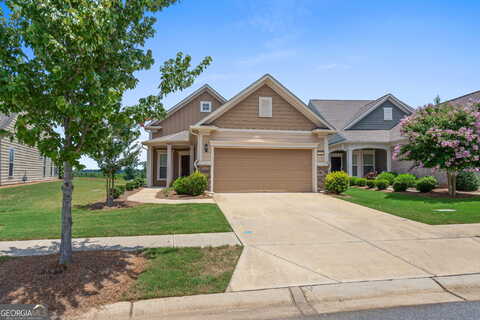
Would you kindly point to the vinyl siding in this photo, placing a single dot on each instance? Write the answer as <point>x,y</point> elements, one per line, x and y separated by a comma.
<point>374,120</point>
<point>244,115</point>
<point>28,162</point>
<point>186,116</point>
<point>262,138</point>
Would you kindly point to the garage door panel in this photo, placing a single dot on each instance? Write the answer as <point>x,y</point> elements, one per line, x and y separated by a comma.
<point>262,170</point>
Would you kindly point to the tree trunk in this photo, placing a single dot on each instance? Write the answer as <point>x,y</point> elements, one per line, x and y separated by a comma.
<point>66,241</point>
<point>110,191</point>
<point>452,183</point>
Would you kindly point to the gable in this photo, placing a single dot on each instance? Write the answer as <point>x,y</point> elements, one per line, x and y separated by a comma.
<point>244,115</point>
<point>374,120</point>
<point>188,115</point>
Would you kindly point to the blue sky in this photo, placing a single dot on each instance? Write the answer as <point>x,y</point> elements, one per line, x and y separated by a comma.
<point>323,49</point>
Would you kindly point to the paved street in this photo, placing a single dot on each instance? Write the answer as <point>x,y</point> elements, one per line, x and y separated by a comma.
<point>444,311</point>
<point>298,239</point>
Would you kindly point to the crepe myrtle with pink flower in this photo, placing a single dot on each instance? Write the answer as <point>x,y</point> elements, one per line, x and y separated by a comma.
<point>443,137</point>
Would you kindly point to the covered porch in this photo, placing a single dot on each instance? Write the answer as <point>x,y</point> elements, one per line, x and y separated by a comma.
<point>169,158</point>
<point>360,160</point>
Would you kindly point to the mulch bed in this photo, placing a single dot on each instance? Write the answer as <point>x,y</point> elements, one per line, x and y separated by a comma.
<point>95,278</point>
<point>172,195</point>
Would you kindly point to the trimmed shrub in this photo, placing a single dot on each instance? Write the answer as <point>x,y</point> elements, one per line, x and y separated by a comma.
<point>381,184</point>
<point>353,181</point>
<point>337,182</point>
<point>468,181</point>
<point>118,191</point>
<point>399,186</point>
<point>371,184</point>
<point>139,182</point>
<point>193,185</point>
<point>361,182</point>
<point>390,177</point>
<point>130,186</point>
<point>407,178</point>
<point>426,184</point>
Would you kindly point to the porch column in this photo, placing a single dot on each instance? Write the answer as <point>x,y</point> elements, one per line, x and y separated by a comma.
<point>149,166</point>
<point>169,164</point>
<point>350,161</point>
<point>326,151</point>
<point>199,147</point>
<point>389,160</point>
<point>192,156</point>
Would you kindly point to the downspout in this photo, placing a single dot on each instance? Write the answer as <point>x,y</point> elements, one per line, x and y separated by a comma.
<point>195,163</point>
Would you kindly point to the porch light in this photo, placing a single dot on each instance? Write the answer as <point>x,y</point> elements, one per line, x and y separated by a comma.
<point>205,147</point>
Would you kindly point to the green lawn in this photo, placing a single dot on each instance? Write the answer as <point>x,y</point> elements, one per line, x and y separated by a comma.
<point>33,212</point>
<point>185,271</point>
<point>418,207</point>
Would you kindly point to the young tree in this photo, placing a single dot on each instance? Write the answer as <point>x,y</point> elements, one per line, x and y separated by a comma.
<point>64,66</point>
<point>445,137</point>
<point>119,149</point>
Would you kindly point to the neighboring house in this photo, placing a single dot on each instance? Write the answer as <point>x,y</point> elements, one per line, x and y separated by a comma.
<point>367,131</point>
<point>264,139</point>
<point>20,163</point>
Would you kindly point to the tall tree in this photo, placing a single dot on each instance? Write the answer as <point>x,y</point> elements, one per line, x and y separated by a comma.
<point>64,67</point>
<point>443,137</point>
<point>119,149</point>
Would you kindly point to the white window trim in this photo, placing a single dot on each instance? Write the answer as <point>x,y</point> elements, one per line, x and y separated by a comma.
<point>264,114</point>
<point>390,118</point>
<point>159,152</point>
<point>12,161</point>
<point>209,106</point>
<point>360,163</point>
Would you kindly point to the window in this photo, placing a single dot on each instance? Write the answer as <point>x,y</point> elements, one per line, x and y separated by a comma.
<point>51,168</point>
<point>205,106</point>
<point>368,162</point>
<point>265,107</point>
<point>387,114</point>
<point>162,165</point>
<point>355,164</point>
<point>11,160</point>
<point>44,167</point>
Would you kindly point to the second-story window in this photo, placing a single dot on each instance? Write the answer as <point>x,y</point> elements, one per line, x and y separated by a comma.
<point>205,106</point>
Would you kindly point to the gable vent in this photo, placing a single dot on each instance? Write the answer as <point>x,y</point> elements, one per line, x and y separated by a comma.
<point>265,107</point>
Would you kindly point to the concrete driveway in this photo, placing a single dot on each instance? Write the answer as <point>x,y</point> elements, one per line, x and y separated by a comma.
<point>303,239</point>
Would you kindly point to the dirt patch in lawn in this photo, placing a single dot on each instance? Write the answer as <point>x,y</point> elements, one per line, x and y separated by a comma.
<point>172,195</point>
<point>117,204</point>
<point>95,278</point>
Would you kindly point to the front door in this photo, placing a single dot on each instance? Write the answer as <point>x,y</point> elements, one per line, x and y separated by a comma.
<point>336,164</point>
<point>185,165</point>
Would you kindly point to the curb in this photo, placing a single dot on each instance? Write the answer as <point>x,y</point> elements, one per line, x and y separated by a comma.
<point>297,301</point>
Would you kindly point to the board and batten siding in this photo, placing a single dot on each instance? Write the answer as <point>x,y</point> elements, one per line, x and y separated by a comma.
<point>375,121</point>
<point>28,162</point>
<point>244,115</point>
<point>186,116</point>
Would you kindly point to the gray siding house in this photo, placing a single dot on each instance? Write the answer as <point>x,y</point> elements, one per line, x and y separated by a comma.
<point>20,163</point>
<point>367,131</point>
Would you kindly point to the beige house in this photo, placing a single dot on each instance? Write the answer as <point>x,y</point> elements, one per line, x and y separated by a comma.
<point>20,163</point>
<point>264,139</point>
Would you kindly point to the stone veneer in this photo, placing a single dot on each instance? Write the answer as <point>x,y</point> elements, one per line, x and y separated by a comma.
<point>206,171</point>
<point>321,174</point>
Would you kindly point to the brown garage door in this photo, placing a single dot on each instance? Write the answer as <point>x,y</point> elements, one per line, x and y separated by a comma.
<point>262,170</point>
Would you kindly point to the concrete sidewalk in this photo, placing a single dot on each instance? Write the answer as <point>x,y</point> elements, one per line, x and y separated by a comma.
<point>43,247</point>
<point>281,303</point>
